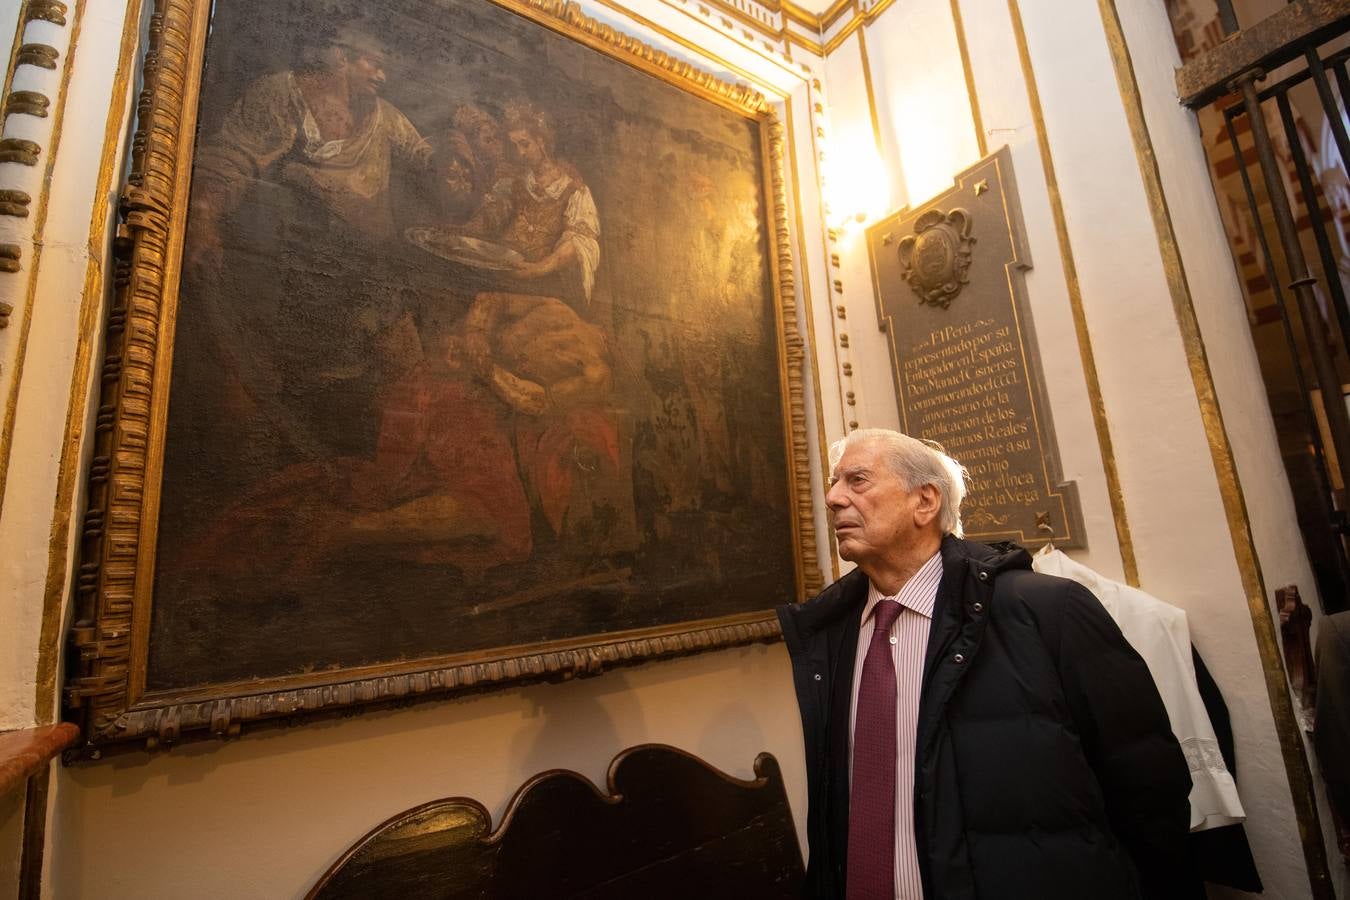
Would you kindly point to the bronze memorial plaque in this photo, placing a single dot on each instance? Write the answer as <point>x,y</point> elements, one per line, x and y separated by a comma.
<point>948,277</point>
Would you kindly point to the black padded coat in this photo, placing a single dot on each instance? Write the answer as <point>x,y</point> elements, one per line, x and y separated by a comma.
<point>1045,767</point>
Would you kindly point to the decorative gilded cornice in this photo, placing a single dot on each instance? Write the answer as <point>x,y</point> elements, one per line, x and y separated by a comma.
<point>53,11</point>
<point>41,55</point>
<point>28,103</point>
<point>18,150</point>
<point>14,203</point>
<point>770,29</point>
<point>34,89</point>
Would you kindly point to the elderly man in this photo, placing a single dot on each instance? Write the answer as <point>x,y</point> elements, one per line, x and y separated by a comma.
<point>972,729</point>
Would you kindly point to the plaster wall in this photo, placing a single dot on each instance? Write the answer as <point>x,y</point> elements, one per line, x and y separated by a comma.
<point>863,175</point>
<point>264,817</point>
<point>1171,495</point>
<point>23,565</point>
<point>1219,307</point>
<point>921,94</point>
<point>16,657</point>
<point>1184,546</point>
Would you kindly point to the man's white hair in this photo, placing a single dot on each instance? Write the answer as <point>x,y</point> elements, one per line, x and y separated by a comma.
<point>916,463</point>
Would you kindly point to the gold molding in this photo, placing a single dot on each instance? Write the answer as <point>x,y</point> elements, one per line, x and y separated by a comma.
<point>794,13</point>
<point>980,139</point>
<point>764,29</point>
<point>1116,496</point>
<point>794,352</point>
<point>43,56</point>
<point>53,11</point>
<point>836,11</point>
<point>20,26</point>
<point>115,576</point>
<point>871,96</point>
<point>819,24</point>
<point>861,19</point>
<point>91,305</point>
<point>834,43</point>
<point>1225,467</point>
<point>808,307</point>
<point>793,39</point>
<point>15,203</point>
<point>19,150</point>
<point>828,237</point>
<point>689,45</point>
<point>781,33</point>
<point>28,103</point>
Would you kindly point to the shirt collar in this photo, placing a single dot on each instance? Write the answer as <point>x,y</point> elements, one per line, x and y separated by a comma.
<point>919,593</point>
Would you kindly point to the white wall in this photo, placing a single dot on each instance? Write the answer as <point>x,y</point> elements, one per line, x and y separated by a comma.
<point>1221,311</point>
<point>265,816</point>
<point>1171,495</point>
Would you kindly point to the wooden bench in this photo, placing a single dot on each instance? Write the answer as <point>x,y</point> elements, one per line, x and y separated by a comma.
<point>669,826</point>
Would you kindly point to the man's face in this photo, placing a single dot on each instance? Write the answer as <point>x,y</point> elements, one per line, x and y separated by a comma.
<point>365,73</point>
<point>872,512</point>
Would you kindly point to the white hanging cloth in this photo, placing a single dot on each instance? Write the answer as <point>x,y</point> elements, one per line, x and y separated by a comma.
<point>1158,632</point>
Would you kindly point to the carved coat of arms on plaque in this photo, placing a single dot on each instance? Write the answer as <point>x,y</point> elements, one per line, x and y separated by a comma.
<point>937,255</point>
<point>966,366</point>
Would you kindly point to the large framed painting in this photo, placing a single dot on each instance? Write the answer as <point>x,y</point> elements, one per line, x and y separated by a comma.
<point>454,345</point>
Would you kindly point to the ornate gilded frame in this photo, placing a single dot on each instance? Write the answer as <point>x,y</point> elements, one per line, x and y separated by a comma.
<point>109,640</point>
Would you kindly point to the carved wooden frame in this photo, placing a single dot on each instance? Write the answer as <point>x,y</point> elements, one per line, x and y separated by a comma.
<point>110,634</point>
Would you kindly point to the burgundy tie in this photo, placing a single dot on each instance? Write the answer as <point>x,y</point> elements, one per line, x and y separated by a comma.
<point>871,811</point>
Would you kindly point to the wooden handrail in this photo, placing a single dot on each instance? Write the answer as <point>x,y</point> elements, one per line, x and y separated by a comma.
<point>23,753</point>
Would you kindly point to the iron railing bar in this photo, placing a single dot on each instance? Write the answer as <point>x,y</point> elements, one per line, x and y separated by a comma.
<point>1279,38</point>
<point>1330,272</point>
<point>1336,59</point>
<point>1326,504</point>
<point>1340,57</point>
<point>1343,82</point>
<point>1301,281</point>
<point>1283,86</point>
<point>1334,117</point>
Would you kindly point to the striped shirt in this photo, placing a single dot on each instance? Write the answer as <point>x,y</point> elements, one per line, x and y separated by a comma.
<point>909,642</point>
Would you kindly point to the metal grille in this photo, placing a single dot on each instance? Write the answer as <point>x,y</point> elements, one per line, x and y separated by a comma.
<point>1310,299</point>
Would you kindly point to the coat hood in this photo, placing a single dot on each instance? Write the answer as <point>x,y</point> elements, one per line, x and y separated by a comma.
<point>1003,556</point>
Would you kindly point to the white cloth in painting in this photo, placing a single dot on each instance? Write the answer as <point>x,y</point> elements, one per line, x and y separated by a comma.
<point>348,177</point>
<point>581,222</point>
<point>1159,633</point>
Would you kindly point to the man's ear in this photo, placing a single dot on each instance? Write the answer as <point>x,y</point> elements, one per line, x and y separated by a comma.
<point>928,505</point>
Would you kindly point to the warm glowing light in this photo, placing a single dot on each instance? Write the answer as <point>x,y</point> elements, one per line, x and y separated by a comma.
<point>935,112</point>
<point>856,185</point>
